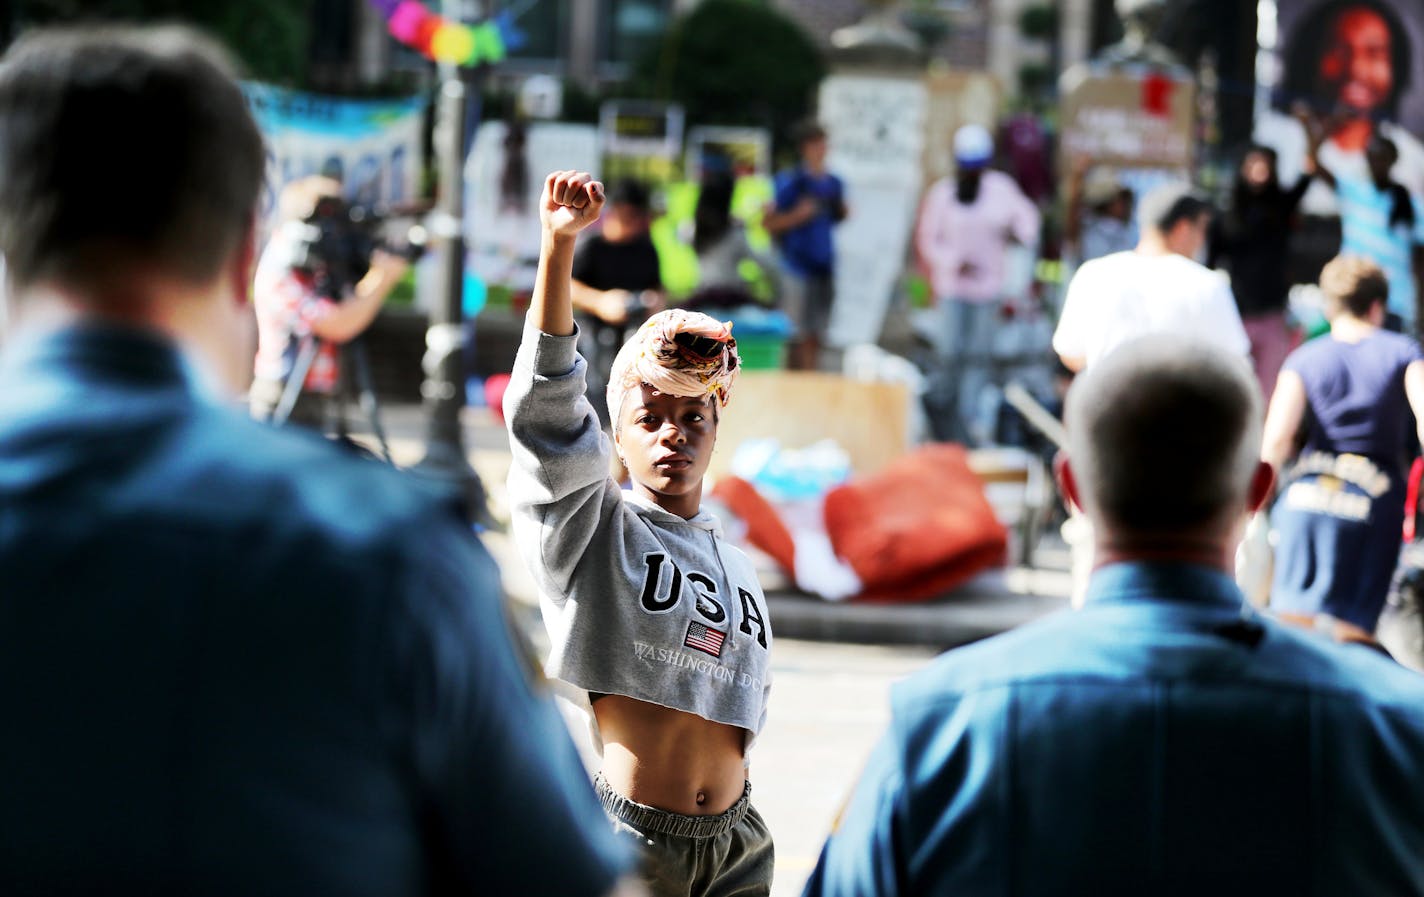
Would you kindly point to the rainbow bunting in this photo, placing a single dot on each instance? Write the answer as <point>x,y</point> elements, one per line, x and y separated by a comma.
<point>442,40</point>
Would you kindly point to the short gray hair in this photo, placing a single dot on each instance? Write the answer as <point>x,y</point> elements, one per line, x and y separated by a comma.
<point>1164,434</point>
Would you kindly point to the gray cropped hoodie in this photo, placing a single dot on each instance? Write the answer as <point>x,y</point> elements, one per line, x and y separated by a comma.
<point>638,601</point>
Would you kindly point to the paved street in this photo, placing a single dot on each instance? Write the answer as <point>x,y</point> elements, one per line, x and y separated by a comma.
<point>828,707</point>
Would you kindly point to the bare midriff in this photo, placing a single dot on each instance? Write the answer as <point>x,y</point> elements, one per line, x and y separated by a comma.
<point>670,759</point>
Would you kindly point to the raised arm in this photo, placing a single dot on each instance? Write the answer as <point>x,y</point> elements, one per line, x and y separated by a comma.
<point>1315,134</point>
<point>558,481</point>
<point>571,202</point>
<point>349,319</point>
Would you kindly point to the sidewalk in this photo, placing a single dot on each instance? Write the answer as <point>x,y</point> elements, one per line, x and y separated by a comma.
<point>990,603</point>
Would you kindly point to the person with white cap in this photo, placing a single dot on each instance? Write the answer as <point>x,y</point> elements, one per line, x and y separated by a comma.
<point>966,223</point>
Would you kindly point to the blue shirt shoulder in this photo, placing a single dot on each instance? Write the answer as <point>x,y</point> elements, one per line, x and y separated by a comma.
<point>1112,747</point>
<point>300,663</point>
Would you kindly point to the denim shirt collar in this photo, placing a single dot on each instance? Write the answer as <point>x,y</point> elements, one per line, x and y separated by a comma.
<point>102,352</point>
<point>1172,581</point>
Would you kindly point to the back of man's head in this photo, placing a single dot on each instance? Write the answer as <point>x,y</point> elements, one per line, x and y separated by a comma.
<point>1164,436</point>
<point>1163,208</point>
<point>123,149</point>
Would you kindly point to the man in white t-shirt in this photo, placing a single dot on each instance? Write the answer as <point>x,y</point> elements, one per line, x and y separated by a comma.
<point>1157,287</point>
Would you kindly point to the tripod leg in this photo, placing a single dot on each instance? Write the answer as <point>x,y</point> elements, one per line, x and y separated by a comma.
<point>366,393</point>
<point>292,389</point>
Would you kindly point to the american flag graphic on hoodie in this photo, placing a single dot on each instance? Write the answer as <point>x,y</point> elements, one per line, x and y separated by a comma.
<point>704,639</point>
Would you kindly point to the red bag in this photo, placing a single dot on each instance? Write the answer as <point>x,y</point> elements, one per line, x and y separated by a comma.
<point>918,528</point>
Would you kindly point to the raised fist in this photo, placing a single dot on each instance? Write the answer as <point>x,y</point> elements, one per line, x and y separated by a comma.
<point>571,202</point>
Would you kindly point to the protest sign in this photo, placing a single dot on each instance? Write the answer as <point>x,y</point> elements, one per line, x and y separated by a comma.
<point>1136,118</point>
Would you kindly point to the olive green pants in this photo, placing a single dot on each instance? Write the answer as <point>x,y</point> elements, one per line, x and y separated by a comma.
<point>727,855</point>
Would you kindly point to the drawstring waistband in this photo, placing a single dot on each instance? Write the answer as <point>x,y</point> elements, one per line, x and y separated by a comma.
<point>644,817</point>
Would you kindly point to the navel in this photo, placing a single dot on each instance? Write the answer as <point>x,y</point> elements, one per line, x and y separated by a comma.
<point>701,798</point>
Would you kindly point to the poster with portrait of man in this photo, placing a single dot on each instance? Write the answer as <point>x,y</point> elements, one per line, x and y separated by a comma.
<point>1357,65</point>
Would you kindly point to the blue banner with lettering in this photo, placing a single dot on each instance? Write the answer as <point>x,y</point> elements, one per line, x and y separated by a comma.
<point>372,146</point>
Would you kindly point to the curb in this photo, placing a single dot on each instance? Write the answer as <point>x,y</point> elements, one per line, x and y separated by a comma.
<point>957,619</point>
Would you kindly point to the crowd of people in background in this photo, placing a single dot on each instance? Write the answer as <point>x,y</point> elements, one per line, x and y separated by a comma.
<point>241,660</point>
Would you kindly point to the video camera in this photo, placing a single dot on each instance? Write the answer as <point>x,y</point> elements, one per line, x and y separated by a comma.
<point>334,243</point>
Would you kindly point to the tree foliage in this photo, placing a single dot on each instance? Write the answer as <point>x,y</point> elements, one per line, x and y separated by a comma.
<point>270,37</point>
<point>734,62</point>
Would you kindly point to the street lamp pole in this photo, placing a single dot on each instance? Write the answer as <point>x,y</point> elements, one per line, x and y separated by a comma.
<point>443,389</point>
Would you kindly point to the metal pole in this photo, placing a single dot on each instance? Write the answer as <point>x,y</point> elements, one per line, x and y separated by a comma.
<point>443,389</point>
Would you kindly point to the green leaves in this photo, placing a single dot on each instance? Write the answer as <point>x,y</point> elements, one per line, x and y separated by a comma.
<point>270,37</point>
<point>734,62</point>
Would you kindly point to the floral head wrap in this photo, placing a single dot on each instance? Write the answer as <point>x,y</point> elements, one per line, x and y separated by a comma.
<point>678,353</point>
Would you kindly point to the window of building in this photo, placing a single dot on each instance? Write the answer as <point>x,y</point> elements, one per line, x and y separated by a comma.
<point>545,26</point>
<point>630,28</point>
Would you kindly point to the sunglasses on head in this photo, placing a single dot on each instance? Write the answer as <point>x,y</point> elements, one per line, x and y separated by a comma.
<point>701,347</point>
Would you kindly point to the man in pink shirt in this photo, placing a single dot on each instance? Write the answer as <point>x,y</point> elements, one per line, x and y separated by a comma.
<point>965,226</point>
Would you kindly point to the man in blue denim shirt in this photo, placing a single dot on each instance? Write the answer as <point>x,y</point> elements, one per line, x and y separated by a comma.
<point>1163,740</point>
<point>233,660</point>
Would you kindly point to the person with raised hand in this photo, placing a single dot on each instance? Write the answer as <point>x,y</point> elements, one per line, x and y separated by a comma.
<point>658,627</point>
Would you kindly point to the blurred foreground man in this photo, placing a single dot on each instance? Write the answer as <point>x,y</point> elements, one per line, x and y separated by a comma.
<point>1165,739</point>
<point>232,660</point>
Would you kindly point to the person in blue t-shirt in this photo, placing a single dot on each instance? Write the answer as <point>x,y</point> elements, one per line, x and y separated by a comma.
<point>1380,220</point>
<point>809,203</point>
<point>1340,508</point>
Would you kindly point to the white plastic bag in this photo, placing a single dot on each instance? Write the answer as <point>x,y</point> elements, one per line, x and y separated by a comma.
<point>1256,561</point>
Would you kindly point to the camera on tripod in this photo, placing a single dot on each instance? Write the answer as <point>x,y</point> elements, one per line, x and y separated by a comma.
<point>334,243</point>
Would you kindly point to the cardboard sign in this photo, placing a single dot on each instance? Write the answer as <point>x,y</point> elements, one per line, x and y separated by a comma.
<point>1135,118</point>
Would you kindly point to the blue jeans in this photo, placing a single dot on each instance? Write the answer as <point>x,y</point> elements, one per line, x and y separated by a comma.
<point>965,368</point>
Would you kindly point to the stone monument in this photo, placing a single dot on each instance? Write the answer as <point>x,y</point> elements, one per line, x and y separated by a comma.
<point>874,106</point>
